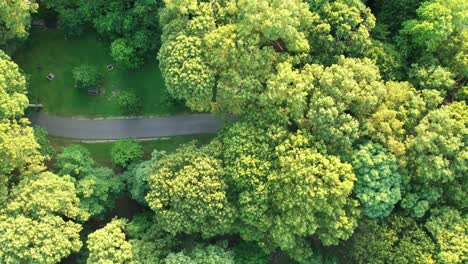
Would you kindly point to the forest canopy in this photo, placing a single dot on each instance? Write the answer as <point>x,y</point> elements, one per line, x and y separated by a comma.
<point>345,136</point>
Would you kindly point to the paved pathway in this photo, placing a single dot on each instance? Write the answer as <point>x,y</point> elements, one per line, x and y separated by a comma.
<point>110,129</point>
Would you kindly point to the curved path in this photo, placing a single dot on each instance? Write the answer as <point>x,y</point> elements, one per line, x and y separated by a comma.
<point>111,129</point>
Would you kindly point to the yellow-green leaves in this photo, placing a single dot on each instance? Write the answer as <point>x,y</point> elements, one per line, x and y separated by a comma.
<point>13,98</point>
<point>108,245</point>
<point>18,148</point>
<point>38,222</point>
<point>15,18</point>
<point>188,193</point>
<point>438,157</point>
<point>449,228</point>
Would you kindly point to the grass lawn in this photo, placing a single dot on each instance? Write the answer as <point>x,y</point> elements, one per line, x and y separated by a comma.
<point>49,51</point>
<point>100,152</point>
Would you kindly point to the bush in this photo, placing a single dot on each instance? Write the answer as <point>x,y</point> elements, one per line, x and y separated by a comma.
<point>126,151</point>
<point>129,102</point>
<point>86,77</point>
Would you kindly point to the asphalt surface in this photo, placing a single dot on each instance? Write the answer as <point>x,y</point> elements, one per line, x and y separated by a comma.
<point>139,128</point>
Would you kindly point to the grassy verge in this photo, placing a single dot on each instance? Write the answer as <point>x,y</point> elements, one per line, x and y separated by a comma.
<point>101,151</point>
<point>50,52</point>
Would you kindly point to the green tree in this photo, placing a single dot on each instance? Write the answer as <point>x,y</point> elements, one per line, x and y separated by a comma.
<point>15,18</point>
<point>342,28</point>
<point>396,240</point>
<point>437,159</point>
<point>436,41</point>
<point>13,98</point>
<point>378,181</point>
<point>39,222</point>
<point>75,160</point>
<point>201,255</point>
<point>124,54</point>
<point>108,244</point>
<point>97,187</point>
<point>98,190</point>
<point>137,176</point>
<point>126,151</point>
<point>150,244</point>
<point>188,193</point>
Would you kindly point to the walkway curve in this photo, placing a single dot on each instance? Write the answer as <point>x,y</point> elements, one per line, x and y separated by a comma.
<point>139,128</point>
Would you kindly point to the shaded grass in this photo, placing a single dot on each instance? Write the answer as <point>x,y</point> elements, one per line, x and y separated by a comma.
<point>49,51</point>
<point>100,152</point>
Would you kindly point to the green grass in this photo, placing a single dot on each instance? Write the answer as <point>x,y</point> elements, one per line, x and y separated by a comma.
<point>49,51</point>
<point>100,152</point>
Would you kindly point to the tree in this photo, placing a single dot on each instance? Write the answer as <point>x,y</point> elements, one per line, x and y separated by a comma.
<point>132,27</point>
<point>124,54</point>
<point>281,185</point>
<point>86,77</point>
<point>396,240</point>
<point>13,98</point>
<point>98,190</point>
<point>310,194</point>
<point>346,94</point>
<point>137,176</point>
<point>342,28</point>
<point>437,158</point>
<point>19,152</point>
<point>126,151</point>
<point>221,64</point>
<point>97,187</point>
<point>448,226</point>
<point>201,255</point>
<point>39,222</point>
<point>378,181</point>
<point>15,18</point>
<point>108,244</point>
<point>150,244</point>
<point>188,193</point>
<point>396,118</point>
<point>435,41</point>
<point>75,160</point>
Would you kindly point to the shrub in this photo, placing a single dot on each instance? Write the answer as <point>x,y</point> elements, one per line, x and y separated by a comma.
<point>86,77</point>
<point>126,151</point>
<point>129,102</point>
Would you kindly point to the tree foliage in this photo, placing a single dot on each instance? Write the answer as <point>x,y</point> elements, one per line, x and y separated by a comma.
<point>397,239</point>
<point>449,228</point>
<point>201,255</point>
<point>39,223</point>
<point>108,245</point>
<point>378,184</point>
<point>126,151</point>
<point>188,194</point>
<point>438,159</point>
<point>15,19</point>
<point>13,98</point>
